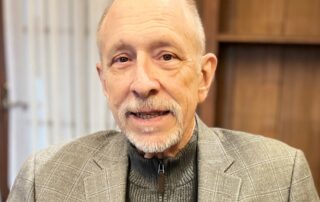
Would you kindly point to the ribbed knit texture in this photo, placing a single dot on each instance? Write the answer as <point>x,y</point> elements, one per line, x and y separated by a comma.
<point>180,176</point>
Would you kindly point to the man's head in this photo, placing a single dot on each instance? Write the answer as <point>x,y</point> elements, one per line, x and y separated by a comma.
<point>153,70</point>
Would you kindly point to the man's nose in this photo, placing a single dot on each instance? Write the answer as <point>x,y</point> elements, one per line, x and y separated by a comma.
<point>144,83</point>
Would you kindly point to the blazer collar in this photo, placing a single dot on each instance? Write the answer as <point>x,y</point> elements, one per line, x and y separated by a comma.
<point>214,184</point>
<point>109,178</point>
<point>108,181</point>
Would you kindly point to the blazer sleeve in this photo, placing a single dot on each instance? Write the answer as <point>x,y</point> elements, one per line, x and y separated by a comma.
<point>302,184</point>
<point>24,187</point>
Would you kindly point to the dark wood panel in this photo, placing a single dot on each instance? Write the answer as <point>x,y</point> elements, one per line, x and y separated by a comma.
<point>302,18</point>
<point>249,82</point>
<point>299,116</point>
<point>272,90</point>
<point>252,17</point>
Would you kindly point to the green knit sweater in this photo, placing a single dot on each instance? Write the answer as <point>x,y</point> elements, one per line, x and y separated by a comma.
<point>171,179</point>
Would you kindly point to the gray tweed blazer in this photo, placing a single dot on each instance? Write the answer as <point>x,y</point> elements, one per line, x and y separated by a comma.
<point>232,166</point>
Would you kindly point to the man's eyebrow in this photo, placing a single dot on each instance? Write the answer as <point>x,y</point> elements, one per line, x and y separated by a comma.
<point>165,43</point>
<point>121,45</point>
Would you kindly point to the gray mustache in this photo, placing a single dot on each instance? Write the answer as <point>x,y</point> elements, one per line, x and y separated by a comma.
<point>150,104</point>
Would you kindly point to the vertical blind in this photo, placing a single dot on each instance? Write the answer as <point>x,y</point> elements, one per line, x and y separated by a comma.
<point>54,89</point>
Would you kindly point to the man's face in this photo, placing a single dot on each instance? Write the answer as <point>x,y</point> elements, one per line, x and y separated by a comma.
<point>150,72</point>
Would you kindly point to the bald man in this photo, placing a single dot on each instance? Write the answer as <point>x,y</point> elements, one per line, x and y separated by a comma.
<point>154,73</point>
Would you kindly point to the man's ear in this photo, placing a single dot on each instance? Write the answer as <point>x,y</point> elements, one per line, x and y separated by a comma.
<point>208,69</point>
<point>101,74</point>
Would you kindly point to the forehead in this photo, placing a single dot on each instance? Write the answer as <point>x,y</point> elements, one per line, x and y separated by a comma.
<point>146,18</point>
<point>146,9</point>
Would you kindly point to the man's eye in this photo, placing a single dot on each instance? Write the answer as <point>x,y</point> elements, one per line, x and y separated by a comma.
<point>167,57</point>
<point>122,59</point>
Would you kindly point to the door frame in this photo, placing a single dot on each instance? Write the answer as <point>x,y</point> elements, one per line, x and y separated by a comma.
<point>4,122</point>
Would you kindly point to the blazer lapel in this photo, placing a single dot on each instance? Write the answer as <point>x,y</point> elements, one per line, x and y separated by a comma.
<point>108,182</point>
<point>214,184</point>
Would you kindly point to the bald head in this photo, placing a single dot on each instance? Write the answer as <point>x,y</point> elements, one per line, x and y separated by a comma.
<point>188,8</point>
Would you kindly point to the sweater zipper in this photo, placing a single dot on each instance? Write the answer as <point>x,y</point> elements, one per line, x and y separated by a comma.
<point>161,177</point>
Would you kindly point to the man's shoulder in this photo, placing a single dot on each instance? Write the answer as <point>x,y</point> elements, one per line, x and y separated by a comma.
<point>238,140</point>
<point>242,144</point>
<point>265,166</point>
<point>83,147</point>
<point>251,150</point>
<point>59,170</point>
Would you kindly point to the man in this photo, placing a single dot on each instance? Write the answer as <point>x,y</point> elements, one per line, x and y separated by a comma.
<point>154,73</point>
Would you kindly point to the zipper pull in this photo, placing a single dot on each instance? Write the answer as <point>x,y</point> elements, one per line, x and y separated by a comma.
<point>161,177</point>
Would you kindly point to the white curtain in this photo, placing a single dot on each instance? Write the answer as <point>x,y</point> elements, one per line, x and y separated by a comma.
<point>53,85</point>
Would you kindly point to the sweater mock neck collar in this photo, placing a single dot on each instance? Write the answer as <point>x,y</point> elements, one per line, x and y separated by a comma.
<point>179,170</point>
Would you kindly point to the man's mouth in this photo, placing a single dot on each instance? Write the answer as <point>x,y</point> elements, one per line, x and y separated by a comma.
<point>148,115</point>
